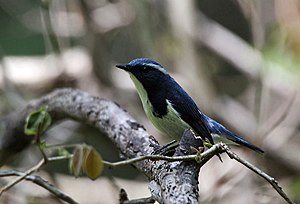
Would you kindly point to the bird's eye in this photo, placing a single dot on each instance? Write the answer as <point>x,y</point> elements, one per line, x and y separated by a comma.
<point>145,69</point>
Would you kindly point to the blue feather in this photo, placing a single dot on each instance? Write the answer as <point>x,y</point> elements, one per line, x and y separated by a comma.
<point>170,108</point>
<point>218,129</point>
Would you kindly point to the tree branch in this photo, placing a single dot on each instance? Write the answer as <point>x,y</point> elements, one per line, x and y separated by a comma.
<point>176,181</point>
<point>172,179</point>
<point>19,179</point>
<point>268,178</point>
<point>41,182</point>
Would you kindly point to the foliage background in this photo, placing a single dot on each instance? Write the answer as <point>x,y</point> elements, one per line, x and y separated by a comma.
<point>238,59</point>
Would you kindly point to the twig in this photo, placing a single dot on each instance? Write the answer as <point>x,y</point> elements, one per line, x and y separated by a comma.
<point>56,158</point>
<point>17,180</point>
<point>203,157</point>
<point>268,178</point>
<point>41,182</point>
<point>200,158</point>
<point>31,170</point>
<point>168,181</point>
<point>150,157</point>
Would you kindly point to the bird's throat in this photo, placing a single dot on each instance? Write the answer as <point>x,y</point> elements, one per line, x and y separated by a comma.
<point>147,106</point>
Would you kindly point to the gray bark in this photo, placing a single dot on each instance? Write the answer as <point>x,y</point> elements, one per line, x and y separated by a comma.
<point>170,182</point>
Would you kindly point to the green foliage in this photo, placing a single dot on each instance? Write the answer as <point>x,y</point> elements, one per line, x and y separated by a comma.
<point>18,35</point>
<point>295,186</point>
<point>63,152</point>
<point>281,57</point>
<point>37,121</point>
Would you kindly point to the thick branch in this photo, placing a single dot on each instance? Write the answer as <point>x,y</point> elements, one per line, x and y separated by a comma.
<point>175,182</point>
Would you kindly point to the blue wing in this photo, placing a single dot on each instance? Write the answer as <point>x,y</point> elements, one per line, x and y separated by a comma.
<point>202,124</point>
<point>188,110</point>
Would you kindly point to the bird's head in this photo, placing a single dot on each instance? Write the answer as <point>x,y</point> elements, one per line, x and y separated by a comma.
<point>145,70</point>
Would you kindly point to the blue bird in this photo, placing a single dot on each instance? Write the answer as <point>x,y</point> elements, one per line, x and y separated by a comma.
<point>171,109</point>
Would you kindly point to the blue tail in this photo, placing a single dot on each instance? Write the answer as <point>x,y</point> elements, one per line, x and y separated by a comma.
<point>218,129</point>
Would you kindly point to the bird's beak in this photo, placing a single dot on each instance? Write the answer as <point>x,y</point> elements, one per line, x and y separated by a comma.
<point>123,66</point>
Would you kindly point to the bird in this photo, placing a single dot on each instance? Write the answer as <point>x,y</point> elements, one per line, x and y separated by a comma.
<point>170,108</point>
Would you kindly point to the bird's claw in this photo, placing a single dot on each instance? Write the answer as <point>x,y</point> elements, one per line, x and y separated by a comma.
<point>207,144</point>
<point>200,150</point>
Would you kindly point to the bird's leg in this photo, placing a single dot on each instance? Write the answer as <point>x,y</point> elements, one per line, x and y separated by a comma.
<point>189,144</point>
<point>195,150</point>
<point>209,145</point>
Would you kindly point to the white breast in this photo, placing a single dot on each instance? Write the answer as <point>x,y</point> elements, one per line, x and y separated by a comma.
<point>171,124</point>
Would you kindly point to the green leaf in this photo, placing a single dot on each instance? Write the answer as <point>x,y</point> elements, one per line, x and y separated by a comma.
<point>37,122</point>
<point>63,152</point>
<point>93,163</point>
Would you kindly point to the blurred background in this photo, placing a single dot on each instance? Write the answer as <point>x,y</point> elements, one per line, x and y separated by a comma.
<point>238,59</point>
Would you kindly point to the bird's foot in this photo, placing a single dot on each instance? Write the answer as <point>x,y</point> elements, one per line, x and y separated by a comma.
<point>197,151</point>
<point>209,145</point>
<point>166,149</point>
